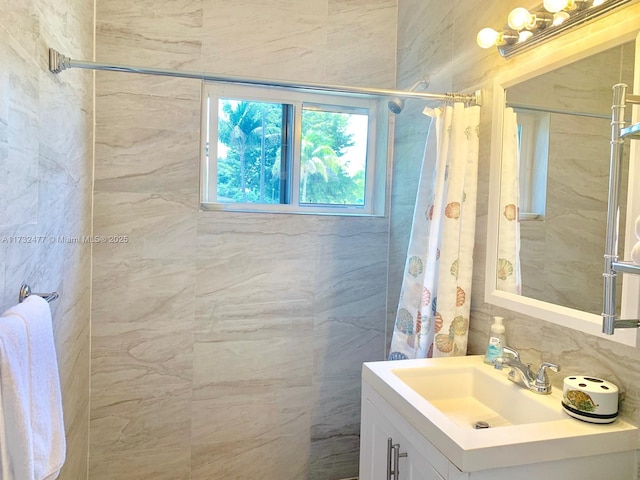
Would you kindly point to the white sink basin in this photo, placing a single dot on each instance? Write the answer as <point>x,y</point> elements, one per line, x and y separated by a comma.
<point>472,393</point>
<point>444,398</point>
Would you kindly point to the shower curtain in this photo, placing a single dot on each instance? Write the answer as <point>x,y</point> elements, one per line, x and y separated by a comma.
<point>508,268</point>
<point>433,312</point>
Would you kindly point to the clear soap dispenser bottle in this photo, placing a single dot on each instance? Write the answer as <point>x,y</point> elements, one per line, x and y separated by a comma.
<point>496,341</point>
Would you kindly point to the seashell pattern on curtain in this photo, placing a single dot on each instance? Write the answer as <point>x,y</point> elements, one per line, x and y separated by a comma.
<point>433,312</point>
<point>508,271</point>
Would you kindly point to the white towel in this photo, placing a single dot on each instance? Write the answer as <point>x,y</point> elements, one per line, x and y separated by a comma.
<point>16,451</point>
<point>46,422</point>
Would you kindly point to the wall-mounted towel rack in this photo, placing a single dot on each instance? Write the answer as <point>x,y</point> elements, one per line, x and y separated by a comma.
<point>25,291</point>
<point>611,264</point>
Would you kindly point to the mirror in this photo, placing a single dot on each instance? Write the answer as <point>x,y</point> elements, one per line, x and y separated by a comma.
<point>563,119</point>
<point>563,141</point>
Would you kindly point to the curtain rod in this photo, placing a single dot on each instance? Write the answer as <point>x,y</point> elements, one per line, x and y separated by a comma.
<point>535,108</point>
<point>59,62</point>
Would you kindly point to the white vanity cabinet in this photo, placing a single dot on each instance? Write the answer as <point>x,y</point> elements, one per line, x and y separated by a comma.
<point>391,449</point>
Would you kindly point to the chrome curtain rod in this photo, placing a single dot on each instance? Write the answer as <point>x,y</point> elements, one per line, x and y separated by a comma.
<point>59,62</point>
<point>535,108</point>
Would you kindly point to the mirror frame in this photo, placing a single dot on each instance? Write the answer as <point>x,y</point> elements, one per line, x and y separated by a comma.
<point>605,33</point>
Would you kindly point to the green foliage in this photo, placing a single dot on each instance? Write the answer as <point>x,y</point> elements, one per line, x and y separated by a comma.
<point>252,132</point>
<point>324,176</point>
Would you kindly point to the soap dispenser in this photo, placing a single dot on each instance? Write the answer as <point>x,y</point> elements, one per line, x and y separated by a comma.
<point>496,341</point>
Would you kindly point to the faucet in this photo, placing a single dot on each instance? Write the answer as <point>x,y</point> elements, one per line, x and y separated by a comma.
<point>536,382</point>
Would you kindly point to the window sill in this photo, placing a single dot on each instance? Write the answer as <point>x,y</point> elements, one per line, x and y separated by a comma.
<point>287,209</point>
<point>526,217</point>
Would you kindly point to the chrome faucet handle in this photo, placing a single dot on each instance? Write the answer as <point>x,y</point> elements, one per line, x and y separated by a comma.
<point>499,363</point>
<point>542,384</point>
<point>542,373</point>
<point>512,351</point>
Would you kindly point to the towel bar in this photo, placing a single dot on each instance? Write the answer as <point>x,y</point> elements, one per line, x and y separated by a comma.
<point>25,291</point>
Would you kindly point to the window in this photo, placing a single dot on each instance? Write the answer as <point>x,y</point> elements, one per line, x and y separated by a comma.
<point>275,150</point>
<point>533,143</point>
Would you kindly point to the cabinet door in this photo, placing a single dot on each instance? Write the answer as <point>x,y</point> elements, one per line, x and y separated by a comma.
<point>376,458</point>
<point>418,468</point>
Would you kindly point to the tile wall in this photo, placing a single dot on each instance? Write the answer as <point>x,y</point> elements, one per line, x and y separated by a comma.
<point>226,345</point>
<point>46,161</point>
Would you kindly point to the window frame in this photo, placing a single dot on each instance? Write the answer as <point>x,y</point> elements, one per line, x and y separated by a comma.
<point>533,157</point>
<point>376,156</point>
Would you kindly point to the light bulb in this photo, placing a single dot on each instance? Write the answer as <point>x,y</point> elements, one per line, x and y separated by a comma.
<point>520,18</point>
<point>559,18</point>
<point>487,37</point>
<point>554,6</point>
<point>524,35</point>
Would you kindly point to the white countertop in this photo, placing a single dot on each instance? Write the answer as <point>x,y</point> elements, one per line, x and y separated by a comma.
<point>471,450</point>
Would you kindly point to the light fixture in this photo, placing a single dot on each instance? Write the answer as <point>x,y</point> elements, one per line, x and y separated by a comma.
<point>521,19</point>
<point>560,17</point>
<point>554,6</point>
<point>527,28</point>
<point>488,37</point>
<point>524,35</point>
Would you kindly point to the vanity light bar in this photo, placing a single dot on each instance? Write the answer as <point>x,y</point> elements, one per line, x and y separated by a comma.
<point>525,29</point>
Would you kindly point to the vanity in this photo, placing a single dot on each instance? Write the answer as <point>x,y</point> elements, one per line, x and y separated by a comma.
<point>420,421</point>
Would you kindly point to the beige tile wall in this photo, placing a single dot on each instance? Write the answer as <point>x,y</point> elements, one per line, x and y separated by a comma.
<point>45,186</point>
<point>446,32</point>
<point>226,345</point>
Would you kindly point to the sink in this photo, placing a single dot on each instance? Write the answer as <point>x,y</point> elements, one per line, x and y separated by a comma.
<point>472,393</point>
<point>444,399</point>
